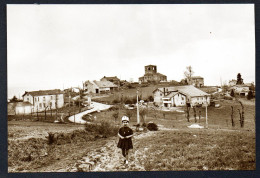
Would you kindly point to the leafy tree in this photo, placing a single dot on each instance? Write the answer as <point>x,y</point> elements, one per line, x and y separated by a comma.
<point>188,73</point>
<point>239,79</point>
<point>14,99</point>
<point>250,95</point>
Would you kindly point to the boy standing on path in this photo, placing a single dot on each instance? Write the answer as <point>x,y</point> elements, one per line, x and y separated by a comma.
<point>125,138</point>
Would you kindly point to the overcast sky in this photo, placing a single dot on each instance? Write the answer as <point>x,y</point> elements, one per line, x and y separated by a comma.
<point>56,46</point>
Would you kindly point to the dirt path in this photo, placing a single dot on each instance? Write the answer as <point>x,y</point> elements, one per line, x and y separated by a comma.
<point>77,118</point>
<point>109,157</point>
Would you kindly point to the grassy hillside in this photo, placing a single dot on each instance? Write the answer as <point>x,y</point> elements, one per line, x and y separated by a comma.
<point>220,147</point>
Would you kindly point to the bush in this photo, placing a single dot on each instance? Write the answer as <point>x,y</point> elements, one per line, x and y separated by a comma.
<point>104,128</point>
<point>128,101</point>
<point>250,95</point>
<point>113,108</point>
<point>152,126</point>
<point>150,98</point>
<point>115,101</point>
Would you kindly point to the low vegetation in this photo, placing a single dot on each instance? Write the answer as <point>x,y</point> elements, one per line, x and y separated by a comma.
<point>44,146</point>
<point>198,150</point>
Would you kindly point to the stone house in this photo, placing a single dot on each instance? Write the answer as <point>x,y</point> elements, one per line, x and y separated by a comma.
<point>99,86</point>
<point>114,80</point>
<point>44,99</point>
<point>241,90</point>
<point>180,96</point>
<point>151,75</point>
<point>196,81</point>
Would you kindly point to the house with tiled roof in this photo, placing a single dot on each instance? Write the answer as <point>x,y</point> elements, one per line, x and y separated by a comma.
<point>151,75</point>
<point>99,86</point>
<point>44,99</point>
<point>241,90</point>
<point>180,96</point>
<point>196,81</point>
<point>114,80</point>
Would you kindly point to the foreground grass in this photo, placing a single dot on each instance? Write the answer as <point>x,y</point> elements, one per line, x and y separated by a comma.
<point>198,150</point>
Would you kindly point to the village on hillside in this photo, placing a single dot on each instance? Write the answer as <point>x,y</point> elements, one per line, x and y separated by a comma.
<point>66,121</point>
<point>165,94</point>
<point>120,88</point>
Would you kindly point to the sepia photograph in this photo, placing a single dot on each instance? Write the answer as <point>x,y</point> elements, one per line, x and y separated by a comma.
<point>130,87</point>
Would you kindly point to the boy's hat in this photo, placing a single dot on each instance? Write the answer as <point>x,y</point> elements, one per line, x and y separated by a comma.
<point>125,118</point>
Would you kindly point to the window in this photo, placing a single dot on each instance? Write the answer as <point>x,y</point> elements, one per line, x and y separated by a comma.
<point>43,104</point>
<point>51,97</point>
<point>50,104</point>
<point>38,98</point>
<point>27,99</point>
<point>40,105</point>
<point>35,99</point>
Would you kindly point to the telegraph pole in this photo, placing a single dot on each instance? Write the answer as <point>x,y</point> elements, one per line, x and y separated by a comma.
<point>206,112</point>
<point>137,108</point>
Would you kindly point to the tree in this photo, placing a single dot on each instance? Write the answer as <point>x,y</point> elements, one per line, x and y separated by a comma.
<point>14,99</point>
<point>239,79</point>
<point>188,74</point>
<point>250,95</point>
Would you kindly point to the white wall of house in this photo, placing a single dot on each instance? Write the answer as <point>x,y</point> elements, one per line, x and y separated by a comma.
<point>158,95</point>
<point>179,100</point>
<point>104,89</point>
<point>241,89</point>
<point>40,102</point>
<point>199,100</point>
<point>28,98</point>
<point>19,110</point>
<point>91,88</point>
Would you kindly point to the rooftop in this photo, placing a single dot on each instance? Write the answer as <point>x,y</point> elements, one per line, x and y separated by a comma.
<point>197,77</point>
<point>111,78</point>
<point>189,90</point>
<point>104,84</point>
<point>44,92</point>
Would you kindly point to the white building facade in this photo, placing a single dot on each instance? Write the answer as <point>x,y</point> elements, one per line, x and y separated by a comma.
<point>44,99</point>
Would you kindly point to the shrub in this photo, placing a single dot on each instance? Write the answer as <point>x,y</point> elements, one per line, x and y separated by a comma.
<point>115,101</point>
<point>152,126</point>
<point>113,108</point>
<point>150,98</point>
<point>128,101</point>
<point>134,100</point>
<point>103,128</point>
<point>250,95</point>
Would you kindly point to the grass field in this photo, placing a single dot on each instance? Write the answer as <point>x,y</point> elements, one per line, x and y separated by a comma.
<point>220,147</point>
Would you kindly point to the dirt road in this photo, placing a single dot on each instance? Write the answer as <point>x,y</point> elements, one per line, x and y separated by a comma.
<point>96,106</point>
<point>109,157</point>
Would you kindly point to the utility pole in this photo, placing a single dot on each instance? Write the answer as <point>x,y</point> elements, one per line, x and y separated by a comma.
<point>137,108</point>
<point>206,112</point>
<point>74,112</point>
